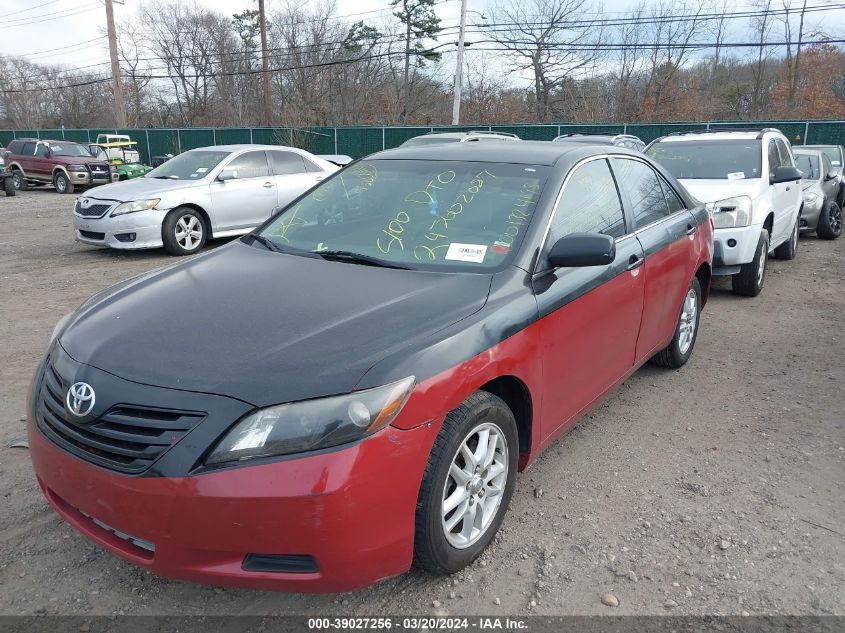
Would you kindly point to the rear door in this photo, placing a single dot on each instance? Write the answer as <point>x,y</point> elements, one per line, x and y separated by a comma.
<point>293,174</point>
<point>666,232</point>
<point>589,317</point>
<point>26,158</point>
<point>42,166</point>
<point>247,200</point>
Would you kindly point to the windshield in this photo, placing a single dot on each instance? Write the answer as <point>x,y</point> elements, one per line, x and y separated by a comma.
<point>191,165</point>
<point>69,149</point>
<point>440,215</point>
<point>833,155</point>
<point>709,160</point>
<point>809,166</point>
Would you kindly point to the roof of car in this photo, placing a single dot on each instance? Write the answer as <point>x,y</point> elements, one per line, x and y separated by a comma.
<point>814,145</point>
<point>468,133</point>
<point>522,153</point>
<point>813,151</point>
<point>242,146</point>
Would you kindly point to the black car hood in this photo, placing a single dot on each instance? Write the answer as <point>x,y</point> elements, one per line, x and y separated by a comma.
<point>265,327</point>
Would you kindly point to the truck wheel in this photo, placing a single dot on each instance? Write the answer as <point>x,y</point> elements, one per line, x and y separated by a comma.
<point>789,248</point>
<point>62,183</point>
<point>677,353</point>
<point>830,222</point>
<point>467,484</point>
<point>9,187</point>
<point>748,282</point>
<point>19,181</point>
<point>183,231</point>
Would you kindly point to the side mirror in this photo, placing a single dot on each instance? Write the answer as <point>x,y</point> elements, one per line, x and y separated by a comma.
<point>784,174</point>
<point>227,174</point>
<point>276,211</point>
<point>583,249</point>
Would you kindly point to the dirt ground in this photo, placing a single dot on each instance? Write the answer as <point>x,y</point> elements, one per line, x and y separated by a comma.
<point>717,489</point>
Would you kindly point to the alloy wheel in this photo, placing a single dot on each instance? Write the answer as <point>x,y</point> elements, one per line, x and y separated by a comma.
<point>473,490</point>
<point>689,320</point>
<point>761,268</point>
<point>189,232</point>
<point>835,220</point>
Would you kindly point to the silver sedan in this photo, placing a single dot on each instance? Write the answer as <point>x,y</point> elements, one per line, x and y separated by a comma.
<point>207,192</point>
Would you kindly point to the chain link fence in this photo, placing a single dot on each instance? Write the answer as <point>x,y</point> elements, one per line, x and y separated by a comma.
<point>357,141</point>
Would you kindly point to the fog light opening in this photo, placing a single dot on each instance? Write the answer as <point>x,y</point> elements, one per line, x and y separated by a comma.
<point>731,242</point>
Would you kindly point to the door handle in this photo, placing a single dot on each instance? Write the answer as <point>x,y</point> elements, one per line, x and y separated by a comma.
<point>267,184</point>
<point>691,229</point>
<point>634,262</point>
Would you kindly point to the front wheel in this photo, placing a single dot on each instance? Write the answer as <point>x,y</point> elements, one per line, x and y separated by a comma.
<point>830,222</point>
<point>748,282</point>
<point>677,353</point>
<point>467,484</point>
<point>62,183</point>
<point>183,231</point>
<point>789,248</point>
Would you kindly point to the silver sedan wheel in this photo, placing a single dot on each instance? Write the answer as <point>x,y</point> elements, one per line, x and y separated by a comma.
<point>689,320</point>
<point>473,490</point>
<point>189,232</point>
<point>761,268</point>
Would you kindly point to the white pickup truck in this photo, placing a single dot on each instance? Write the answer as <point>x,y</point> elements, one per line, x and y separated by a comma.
<point>750,184</point>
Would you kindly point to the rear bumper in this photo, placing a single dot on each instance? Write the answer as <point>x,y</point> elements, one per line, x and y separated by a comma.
<point>352,510</point>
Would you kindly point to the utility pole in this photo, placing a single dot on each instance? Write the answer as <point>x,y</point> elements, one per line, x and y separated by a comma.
<point>265,65</point>
<point>459,67</point>
<point>117,86</point>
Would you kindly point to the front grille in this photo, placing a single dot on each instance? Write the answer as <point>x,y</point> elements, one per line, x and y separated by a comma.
<point>127,438</point>
<point>93,211</point>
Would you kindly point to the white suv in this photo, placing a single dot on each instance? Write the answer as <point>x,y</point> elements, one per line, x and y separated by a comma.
<point>750,184</point>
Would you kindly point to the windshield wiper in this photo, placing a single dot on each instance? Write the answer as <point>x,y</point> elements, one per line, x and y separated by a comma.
<point>359,258</point>
<point>267,243</point>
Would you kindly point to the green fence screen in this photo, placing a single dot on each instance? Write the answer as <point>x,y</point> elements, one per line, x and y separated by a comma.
<point>357,141</point>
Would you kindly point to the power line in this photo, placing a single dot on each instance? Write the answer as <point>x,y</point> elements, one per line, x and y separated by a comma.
<point>37,6</point>
<point>52,16</point>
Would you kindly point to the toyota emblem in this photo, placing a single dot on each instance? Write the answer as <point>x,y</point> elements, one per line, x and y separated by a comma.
<point>80,399</point>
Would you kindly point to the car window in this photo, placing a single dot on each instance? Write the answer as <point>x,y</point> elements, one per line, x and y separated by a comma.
<point>250,165</point>
<point>672,198</point>
<point>826,165</point>
<point>28,149</point>
<point>640,183</point>
<point>699,159</point>
<point>774,156</point>
<point>285,163</point>
<point>311,166</point>
<point>809,166</point>
<point>41,150</point>
<point>785,153</point>
<point>589,204</point>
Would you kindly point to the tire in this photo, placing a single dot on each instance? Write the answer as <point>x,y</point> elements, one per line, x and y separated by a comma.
<point>748,282</point>
<point>434,551</point>
<point>789,248</point>
<point>9,187</point>
<point>62,183</point>
<point>176,223</point>
<point>678,352</point>
<point>830,222</point>
<point>19,180</point>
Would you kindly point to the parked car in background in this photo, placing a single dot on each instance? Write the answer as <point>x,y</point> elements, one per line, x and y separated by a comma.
<point>820,183</point>
<point>750,183</point>
<point>208,192</point>
<point>123,155</point>
<point>459,137</point>
<point>63,164</point>
<point>619,140</point>
<point>836,154</point>
<point>158,161</point>
<point>352,387</point>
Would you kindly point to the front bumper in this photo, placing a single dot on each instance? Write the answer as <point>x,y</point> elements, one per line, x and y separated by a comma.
<point>87,179</point>
<point>117,232</point>
<point>352,510</point>
<point>734,247</point>
<point>810,216</point>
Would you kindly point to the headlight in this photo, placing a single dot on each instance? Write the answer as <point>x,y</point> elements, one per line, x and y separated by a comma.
<point>77,168</point>
<point>60,326</point>
<point>811,198</point>
<point>731,212</point>
<point>312,424</point>
<point>137,205</point>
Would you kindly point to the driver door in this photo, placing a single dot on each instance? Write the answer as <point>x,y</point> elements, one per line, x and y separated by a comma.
<point>589,317</point>
<point>245,201</point>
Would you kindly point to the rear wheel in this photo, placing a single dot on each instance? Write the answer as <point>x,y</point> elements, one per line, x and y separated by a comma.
<point>677,353</point>
<point>9,187</point>
<point>830,222</point>
<point>748,282</point>
<point>789,248</point>
<point>62,183</point>
<point>467,484</point>
<point>183,231</point>
<point>19,181</point>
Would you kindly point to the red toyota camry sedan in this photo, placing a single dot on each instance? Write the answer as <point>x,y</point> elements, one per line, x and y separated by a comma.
<point>352,388</point>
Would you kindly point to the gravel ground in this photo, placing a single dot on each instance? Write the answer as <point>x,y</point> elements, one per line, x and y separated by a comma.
<point>716,489</point>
